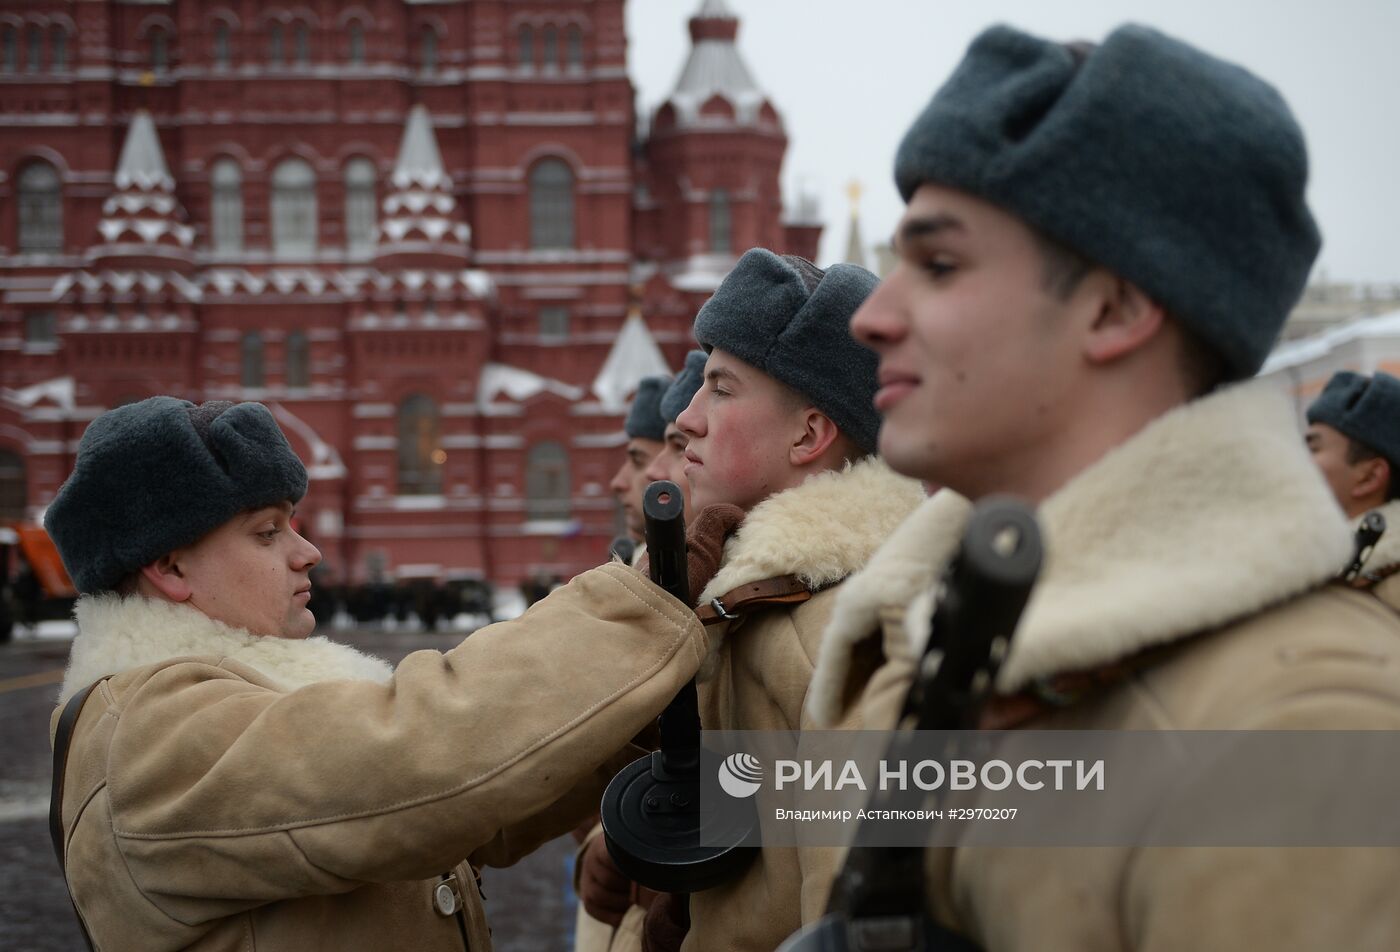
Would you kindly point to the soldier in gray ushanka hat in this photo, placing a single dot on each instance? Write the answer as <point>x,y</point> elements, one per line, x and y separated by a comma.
<point>157,475</point>
<point>1099,246</point>
<point>645,430</point>
<point>1354,436</point>
<point>788,318</point>
<point>194,701</point>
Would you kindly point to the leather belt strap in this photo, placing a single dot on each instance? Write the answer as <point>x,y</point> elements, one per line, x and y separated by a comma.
<point>782,590</point>
<point>1369,580</point>
<point>61,739</point>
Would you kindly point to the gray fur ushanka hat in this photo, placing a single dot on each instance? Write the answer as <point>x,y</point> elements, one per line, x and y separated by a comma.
<point>644,419</point>
<point>683,389</point>
<point>790,319</point>
<point>1366,409</point>
<point>1178,171</point>
<point>154,476</point>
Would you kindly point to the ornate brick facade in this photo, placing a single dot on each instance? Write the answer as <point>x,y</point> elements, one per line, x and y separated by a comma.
<point>416,230</point>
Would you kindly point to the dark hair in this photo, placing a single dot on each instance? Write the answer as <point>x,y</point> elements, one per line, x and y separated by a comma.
<point>1202,367</point>
<point>1063,268</point>
<point>1358,452</point>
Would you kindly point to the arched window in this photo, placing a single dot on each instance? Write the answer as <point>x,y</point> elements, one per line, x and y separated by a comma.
<point>275,52</point>
<point>420,449</point>
<point>547,482</point>
<point>551,205</point>
<point>293,208</point>
<point>160,50</point>
<point>58,49</point>
<point>427,49</point>
<point>301,45</point>
<point>526,54</point>
<point>574,47</point>
<point>250,366</point>
<point>9,49</point>
<point>721,228</point>
<point>551,48</point>
<point>227,182</point>
<point>359,204</point>
<point>298,360</point>
<point>222,55</point>
<point>40,209</point>
<point>14,492</point>
<point>34,59</point>
<point>41,328</point>
<point>357,44</point>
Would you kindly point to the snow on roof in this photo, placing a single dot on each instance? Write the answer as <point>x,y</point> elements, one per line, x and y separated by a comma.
<point>59,390</point>
<point>419,160</point>
<point>715,67</point>
<point>142,162</point>
<point>519,385</point>
<point>714,10</point>
<point>634,355</point>
<point>1297,352</point>
<point>703,272</point>
<point>325,460</point>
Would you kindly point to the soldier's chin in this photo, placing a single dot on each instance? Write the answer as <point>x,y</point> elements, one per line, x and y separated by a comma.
<point>903,455</point>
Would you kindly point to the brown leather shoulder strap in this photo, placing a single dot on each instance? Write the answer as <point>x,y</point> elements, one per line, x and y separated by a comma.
<point>1369,580</point>
<point>63,736</point>
<point>782,590</point>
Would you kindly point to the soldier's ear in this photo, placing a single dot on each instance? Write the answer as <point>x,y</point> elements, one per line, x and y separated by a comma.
<point>1373,476</point>
<point>816,436</point>
<point>1126,319</point>
<point>167,578</point>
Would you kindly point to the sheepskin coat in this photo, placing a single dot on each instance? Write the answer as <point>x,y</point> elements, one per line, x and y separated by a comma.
<point>759,668</point>
<point>225,791</point>
<point>1382,567</point>
<point>1210,532</point>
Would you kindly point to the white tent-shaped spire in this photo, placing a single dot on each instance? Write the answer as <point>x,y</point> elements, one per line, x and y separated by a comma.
<point>142,163</point>
<point>142,215</point>
<point>420,162</point>
<point>420,207</point>
<point>634,355</point>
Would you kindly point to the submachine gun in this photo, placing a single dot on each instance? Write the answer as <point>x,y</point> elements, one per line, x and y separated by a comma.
<point>878,901</point>
<point>1368,533</point>
<point>651,809</point>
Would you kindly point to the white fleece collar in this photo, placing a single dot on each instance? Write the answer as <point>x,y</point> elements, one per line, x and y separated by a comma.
<point>821,530</point>
<point>1209,514</point>
<point>117,634</point>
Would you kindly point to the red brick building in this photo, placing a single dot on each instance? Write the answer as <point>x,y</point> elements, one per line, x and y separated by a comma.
<point>434,237</point>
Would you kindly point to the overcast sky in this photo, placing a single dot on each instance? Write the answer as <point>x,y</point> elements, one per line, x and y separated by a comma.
<point>850,75</point>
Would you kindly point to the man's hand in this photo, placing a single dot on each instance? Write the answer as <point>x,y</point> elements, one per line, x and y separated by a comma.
<point>704,543</point>
<point>667,922</point>
<point>602,888</point>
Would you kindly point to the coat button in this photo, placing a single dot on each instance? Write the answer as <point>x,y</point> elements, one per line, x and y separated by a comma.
<point>445,899</point>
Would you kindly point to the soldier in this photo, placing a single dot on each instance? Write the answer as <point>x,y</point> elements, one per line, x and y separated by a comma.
<point>1354,436</point>
<point>781,440</point>
<point>1100,243</point>
<point>223,776</point>
<point>612,908</point>
<point>670,462</point>
<point>645,429</point>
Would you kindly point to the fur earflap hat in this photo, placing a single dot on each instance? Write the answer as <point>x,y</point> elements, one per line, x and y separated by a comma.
<point>1365,409</point>
<point>644,419</point>
<point>683,389</point>
<point>154,476</point>
<point>1178,171</point>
